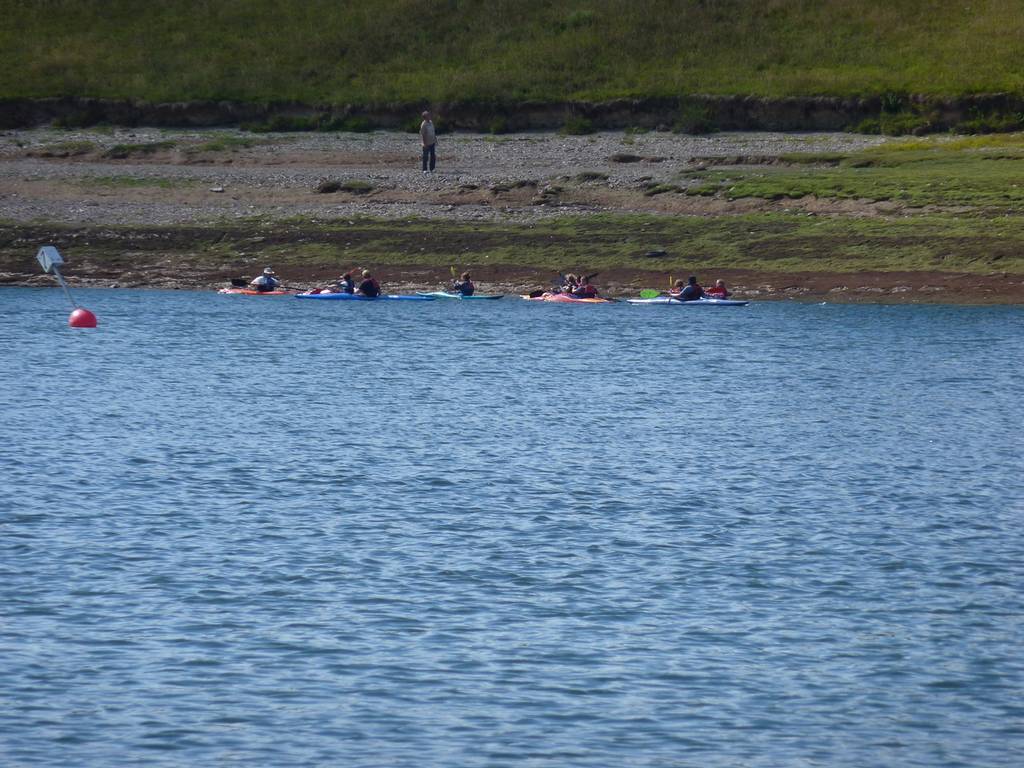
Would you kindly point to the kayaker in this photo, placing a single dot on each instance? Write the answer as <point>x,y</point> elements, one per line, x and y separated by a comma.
<point>368,287</point>
<point>719,291</point>
<point>692,291</point>
<point>464,285</point>
<point>266,282</point>
<point>585,290</point>
<point>568,284</point>
<point>346,284</point>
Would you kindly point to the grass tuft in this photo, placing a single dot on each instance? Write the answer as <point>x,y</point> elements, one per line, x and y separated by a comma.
<point>577,126</point>
<point>123,151</point>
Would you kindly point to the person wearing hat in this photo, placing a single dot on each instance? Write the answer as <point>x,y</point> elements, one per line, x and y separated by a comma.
<point>266,282</point>
<point>428,140</point>
<point>464,285</point>
<point>368,287</point>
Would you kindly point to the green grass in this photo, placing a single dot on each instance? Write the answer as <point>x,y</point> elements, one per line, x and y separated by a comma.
<point>65,149</point>
<point>225,144</point>
<point>983,173</point>
<point>132,182</point>
<point>773,242</point>
<point>322,51</point>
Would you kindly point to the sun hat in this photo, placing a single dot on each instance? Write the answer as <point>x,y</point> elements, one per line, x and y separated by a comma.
<point>268,271</point>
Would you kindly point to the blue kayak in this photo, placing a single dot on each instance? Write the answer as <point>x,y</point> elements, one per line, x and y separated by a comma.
<point>443,295</point>
<point>359,297</point>
<point>705,302</point>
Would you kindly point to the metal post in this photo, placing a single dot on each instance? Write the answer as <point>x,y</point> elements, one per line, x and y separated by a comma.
<point>60,279</point>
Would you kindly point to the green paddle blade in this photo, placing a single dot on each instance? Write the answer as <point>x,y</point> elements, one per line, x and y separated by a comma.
<point>649,293</point>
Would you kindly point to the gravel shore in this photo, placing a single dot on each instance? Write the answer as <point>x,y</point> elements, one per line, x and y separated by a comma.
<point>155,177</point>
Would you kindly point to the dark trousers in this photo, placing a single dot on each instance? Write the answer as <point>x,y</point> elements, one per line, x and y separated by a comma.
<point>429,152</point>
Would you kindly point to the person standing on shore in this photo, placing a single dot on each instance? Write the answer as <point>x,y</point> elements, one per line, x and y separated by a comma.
<point>428,138</point>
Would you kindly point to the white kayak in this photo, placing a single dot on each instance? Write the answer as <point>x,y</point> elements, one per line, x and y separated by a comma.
<point>705,302</point>
<point>446,295</point>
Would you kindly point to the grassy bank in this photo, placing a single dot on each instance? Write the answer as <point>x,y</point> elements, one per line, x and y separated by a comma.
<point>982,174</point>
<point>765,243</point>
<point>504,50</point>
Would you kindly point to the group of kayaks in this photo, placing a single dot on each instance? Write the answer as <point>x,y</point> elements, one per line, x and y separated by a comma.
<point>555,298</point>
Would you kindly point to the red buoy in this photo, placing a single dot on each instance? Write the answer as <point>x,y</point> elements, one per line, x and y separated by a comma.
<point>82,318</point>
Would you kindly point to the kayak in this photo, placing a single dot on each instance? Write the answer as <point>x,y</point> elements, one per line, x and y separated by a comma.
<point>562,298</point>
<point>705,302</point>
<point>250,292</point>
<point>443,295</point>
<point>358,297</point>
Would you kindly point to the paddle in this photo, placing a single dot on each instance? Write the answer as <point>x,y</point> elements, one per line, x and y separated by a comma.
<point>536,294</point>
<point>651,293</point>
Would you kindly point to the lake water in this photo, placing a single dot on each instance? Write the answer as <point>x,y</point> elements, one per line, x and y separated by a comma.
<point>244,531</point>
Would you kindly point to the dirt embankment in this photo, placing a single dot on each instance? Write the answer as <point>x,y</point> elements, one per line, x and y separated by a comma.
<point>724,113</point>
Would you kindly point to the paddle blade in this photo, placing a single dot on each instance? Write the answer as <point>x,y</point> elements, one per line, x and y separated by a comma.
<point>239,282</point>
<point>649,293</point>
<point>536,294</point>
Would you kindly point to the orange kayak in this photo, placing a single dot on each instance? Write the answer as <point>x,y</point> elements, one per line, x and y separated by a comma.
<point>250,292</point>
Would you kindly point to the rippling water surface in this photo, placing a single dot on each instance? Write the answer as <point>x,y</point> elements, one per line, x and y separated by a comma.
<point>259,532</point>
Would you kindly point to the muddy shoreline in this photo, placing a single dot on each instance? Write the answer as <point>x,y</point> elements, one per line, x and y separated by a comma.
<point>193,209</point>
<point>176,259</point>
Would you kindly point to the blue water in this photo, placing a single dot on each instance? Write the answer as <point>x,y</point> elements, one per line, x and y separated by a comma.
<point>243,531</point>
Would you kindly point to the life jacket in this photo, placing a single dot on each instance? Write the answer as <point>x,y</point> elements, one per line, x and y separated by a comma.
<point>585,292</point>
<point>370,287</point>
<point>465,287</point>
<point>348,286</point>
<point>691,292</point>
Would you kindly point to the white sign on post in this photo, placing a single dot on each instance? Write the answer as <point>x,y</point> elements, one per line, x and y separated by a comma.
<point>49,258</point>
